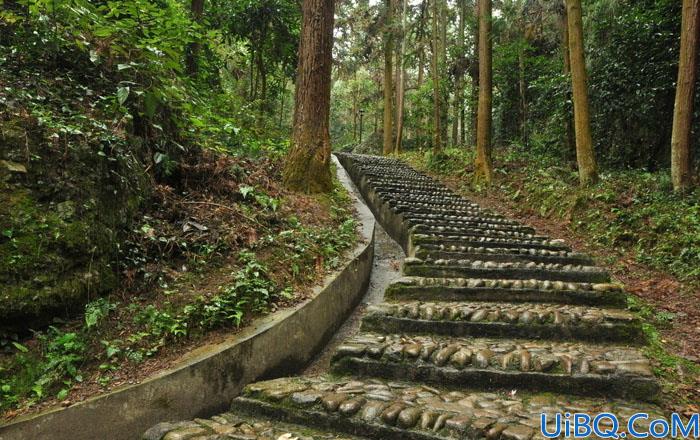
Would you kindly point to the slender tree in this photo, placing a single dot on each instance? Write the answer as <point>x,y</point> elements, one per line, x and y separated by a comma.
<point>197,10</point>
<point>587,168</point>
<point>685,93</point>
<point>307,167</point>
<point>484,165</point>
<point>569,127</point>
<point>437,113</point>
<point>388,74</point>
<point>401,80</point>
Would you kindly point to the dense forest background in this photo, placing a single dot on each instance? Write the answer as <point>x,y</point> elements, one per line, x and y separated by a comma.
<point>632,60</point>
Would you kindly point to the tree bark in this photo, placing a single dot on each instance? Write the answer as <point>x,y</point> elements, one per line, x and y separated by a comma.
<point>570,140</point>
<point>192,59</point>
<point>437,114</point>
<point>483,171</point>
<point>685,93</point>
<point>401,82</point>
<point>388,135</point>
<point>587,168</point>
<point>522,86</point>
<point>474,73</point>
<point>307,168</point>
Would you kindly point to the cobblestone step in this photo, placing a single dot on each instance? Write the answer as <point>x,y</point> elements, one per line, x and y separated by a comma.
<point>486,242</point>
<point>563,367</point>
<point>505,290</point>
<point>382,409</point>
<point>505,320</point>
<point>233,426</point>
<point>436,252</point>
<point>504,270</point>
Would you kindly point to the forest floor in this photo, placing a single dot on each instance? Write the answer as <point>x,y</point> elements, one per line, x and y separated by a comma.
<point>224,246</point>
<point>668,303</point>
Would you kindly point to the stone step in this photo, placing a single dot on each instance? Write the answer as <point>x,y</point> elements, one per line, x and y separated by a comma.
<point>462,225</point>
<point>504,270</point>
<point>506,290</point>
<point>405,411</point>
<point>486,242</point>
<point>471,231</point>
<point>505,320</point>
<point>234,426</point>
<point>436,252</point>
<point>486,217</point>
<point>561,367</point>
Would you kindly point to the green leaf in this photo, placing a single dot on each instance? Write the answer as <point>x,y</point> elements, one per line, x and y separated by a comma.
<point>246,190</point>
<point>20,347</point>
<point>122,94</point>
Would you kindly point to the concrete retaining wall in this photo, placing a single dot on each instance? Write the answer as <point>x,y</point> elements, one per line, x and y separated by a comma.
<point>205,382</point>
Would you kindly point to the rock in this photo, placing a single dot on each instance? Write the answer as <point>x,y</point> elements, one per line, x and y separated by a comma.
<point>372,410</point>
<point>332,401</point>
<point>444,354</point>
<point>482,358</point>
<point>351,406</point>
<point>517,432</point>
<point>461,358</point>
<point>390,414</point>
<point>408,417</point>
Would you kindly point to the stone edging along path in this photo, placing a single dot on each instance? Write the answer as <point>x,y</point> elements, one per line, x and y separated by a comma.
<point>206,380</point>
<point>491,326</point>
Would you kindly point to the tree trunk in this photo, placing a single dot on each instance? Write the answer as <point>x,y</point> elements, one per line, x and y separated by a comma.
<point>474,73</point>
<point>685,93</point>
<point>570,140</point>
<point>523,96</point>
<point>437,114</point>
<point>585,157</point>
<point>354,107</point>
<point>483,171</point>
<point>307,167</point>
<point>388,74</point>
<point>401,81</point>
<point>197,10</point>
<point>461,4</point>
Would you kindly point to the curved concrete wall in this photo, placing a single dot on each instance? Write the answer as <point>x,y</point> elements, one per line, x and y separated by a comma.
<point>205,382</point>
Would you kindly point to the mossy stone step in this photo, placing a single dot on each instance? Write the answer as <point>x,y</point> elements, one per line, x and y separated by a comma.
<point>485,242</point>
<point>562,367</point>
<point>465,225</point>
<point>504,270</point>
<point>432,252</point>
<point>505,320</point>
<point>398,411</point>
<point>233,426</point>
<point>505,290</point>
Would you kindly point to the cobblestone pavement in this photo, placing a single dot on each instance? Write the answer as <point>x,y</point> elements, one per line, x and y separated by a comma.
<point>491,326</point>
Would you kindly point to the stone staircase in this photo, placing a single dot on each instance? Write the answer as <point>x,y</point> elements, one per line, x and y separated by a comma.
<point>491,326</point>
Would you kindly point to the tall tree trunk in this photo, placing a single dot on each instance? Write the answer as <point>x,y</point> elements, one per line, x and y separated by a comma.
<point>587,168</point>
<point>442,65</point>
<point>388,144</point>
<point>523,96</point>
<point>570,140</point>
<point>197,10</point>
<point>461,4</point>
<point>307,167</point>
<point>474,73</point>
<point>401,81</point>
<point>354,106</point>
<point>484,166</point>
<point>437,114</point>
<point>685,93</point>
